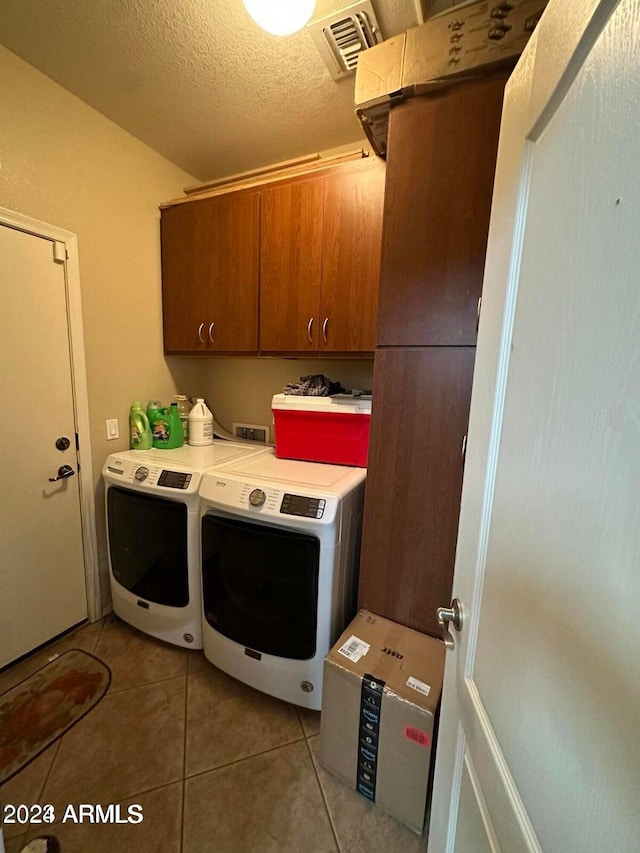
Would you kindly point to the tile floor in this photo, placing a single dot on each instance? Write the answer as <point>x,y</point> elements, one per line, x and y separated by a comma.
<point>216,766</point>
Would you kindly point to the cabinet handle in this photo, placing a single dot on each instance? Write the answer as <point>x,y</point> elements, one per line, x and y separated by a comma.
<point>324,330</point>
<point>200,328</point>
<point>309,328</point>
<point>211,327</point>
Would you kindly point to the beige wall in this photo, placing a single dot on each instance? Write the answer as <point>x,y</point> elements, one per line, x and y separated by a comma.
<point>65,164</point>
<point>240,389</point>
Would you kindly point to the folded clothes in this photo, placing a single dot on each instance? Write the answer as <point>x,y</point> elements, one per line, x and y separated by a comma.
<point>314,386</point>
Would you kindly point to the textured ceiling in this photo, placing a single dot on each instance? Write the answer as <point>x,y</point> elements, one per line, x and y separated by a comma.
<point>196,80</point>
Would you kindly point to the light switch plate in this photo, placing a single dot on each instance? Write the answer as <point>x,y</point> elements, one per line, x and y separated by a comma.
<point>113,430</point>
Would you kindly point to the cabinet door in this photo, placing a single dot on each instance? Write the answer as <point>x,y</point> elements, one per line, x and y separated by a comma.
<point>352,238</point>
<point>291,264</point>
<point>414,481</point>
<point>185,300</point>
<point>232,237</point>
<point>440,165</point>
<point>210,274</point>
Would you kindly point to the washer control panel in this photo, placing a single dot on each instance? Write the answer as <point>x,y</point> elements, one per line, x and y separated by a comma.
<point>303,506</point>
<point>149,476</point>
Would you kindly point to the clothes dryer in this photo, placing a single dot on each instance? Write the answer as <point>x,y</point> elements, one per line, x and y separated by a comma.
<point>280,554</point>
<point>153,533</point>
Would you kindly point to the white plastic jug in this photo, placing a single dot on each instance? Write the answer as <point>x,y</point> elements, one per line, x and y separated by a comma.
<point>200,424</point>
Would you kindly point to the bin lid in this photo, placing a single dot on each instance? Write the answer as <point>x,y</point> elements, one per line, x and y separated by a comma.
<point>359,404</point>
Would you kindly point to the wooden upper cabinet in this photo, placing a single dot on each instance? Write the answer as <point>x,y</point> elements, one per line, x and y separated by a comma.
<point>291,265</point>
<point>210,274</point>
<point>320,261</point>
<point>184,306</point>
<point>352,238</point>
<point>440,166</point>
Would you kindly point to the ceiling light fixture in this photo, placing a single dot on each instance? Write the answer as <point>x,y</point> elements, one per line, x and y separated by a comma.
<point>280,17</point>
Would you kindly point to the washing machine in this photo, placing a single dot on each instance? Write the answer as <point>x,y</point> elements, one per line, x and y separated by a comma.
<point>153,533</point>
<point>280,555</point>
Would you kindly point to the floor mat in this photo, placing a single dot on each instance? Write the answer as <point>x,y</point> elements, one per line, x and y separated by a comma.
<point>40,709</point>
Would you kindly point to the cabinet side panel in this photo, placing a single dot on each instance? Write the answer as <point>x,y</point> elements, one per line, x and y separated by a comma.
<point>440,168</point>
<point>414,481</point>
<point>290,268</point>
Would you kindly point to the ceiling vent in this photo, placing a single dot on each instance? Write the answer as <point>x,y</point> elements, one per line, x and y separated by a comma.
<point>343,36</point>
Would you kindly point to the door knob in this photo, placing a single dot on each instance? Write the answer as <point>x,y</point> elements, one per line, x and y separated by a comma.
<point>451,614</point>
<point>64,471</point>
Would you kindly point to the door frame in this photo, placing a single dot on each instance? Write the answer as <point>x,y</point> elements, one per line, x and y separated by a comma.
<point>46,231</point>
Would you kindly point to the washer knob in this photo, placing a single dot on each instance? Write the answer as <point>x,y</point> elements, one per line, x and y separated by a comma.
<point>141,474</point>
<point>257,497</point>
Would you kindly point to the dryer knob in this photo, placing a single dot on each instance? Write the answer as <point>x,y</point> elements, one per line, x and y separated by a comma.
<point>257,497</point>
<point>141,474</point>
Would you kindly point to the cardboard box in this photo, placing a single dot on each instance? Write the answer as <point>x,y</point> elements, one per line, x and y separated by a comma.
<point>380,696</point>
<point>334,430</point>
<point>458,44</point>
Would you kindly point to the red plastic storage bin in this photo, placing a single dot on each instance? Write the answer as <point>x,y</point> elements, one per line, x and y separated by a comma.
<point>322,429</point>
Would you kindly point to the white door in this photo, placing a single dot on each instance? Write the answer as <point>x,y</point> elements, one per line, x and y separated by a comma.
<point>539,743</point>
<point>42,578</point>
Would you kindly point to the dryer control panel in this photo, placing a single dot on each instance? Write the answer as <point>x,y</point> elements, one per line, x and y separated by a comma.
<point>266,501</point>
<point>174,479</point>
<point>303,506</point>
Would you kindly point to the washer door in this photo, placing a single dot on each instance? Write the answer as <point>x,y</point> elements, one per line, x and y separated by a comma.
<point>148,546</point>
<point>260,586</point>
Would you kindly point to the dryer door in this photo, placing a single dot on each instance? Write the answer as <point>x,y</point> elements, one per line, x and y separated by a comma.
<point>260,586</point>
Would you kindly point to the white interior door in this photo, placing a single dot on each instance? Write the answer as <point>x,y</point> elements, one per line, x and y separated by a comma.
<point>42,577</point>
<point>539,740</point>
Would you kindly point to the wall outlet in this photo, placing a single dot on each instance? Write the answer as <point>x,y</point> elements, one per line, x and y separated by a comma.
<point>251,432</point>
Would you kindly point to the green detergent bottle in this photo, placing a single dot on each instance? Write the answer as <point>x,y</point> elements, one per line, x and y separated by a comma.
<point>139,427</point>
<point>153,407</point>
<point>167,428</point>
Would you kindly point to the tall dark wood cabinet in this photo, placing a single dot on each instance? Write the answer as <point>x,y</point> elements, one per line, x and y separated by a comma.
<point>440,166</point>
<point>419,420</point>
